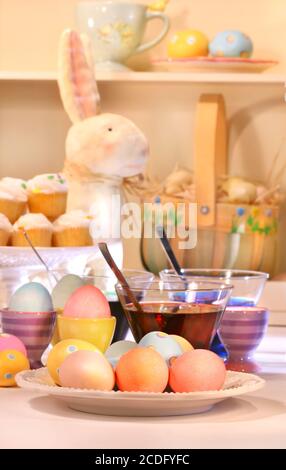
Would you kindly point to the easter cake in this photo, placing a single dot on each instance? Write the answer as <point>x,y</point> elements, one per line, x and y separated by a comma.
<point>38,228</point>
<point>47,194</point>
<point>13,198</point>
<point>72,229</point>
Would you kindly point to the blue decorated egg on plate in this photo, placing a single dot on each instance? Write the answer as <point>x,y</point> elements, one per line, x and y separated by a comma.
<point>162,343</point>
<point>31,297</point>
<point>231,43</point>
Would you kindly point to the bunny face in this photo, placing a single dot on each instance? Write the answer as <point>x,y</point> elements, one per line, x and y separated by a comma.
<point>107,143</point>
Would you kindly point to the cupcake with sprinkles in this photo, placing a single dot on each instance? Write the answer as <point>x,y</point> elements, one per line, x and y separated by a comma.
<point>73,229</point>
<point>5,230</point>
<point>38,228</point>
<point>13,198</point>
<point>47,194</point>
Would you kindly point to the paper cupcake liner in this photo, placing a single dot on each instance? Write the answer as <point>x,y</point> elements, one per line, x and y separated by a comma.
<point>4,237</point>
<point>51,205</point>
<point>78,236</point>
<point>12,209</point>
<point>39,237</point>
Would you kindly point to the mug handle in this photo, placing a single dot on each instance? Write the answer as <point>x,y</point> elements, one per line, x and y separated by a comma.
<point>166,25</point>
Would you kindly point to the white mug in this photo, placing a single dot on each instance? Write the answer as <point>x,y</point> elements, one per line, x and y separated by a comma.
<point>116,29</point>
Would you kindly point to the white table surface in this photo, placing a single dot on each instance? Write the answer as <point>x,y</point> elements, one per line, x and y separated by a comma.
<point>29,420</point>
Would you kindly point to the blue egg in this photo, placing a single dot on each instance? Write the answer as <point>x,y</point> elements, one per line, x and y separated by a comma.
<point>116,350</point>
<point>231,43</point>
<point>64,289</point>
<point>162,343</point>
<point>31,297</point>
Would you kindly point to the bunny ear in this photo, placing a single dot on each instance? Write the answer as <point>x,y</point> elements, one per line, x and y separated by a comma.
<point>76,81</point>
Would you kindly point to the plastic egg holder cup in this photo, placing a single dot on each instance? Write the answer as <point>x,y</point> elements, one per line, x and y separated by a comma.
<point>35,329</point>
<point>98,331</point>
<point>116,31</point>
<point>241,330</point>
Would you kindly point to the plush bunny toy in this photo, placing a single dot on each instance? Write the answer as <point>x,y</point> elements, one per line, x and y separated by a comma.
<point>101,149</point>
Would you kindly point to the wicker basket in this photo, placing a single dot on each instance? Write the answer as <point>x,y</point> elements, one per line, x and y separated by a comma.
<point>237,236</point>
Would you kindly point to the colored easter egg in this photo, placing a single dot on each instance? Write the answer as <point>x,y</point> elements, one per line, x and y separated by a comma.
<point>231,43</point>
<point>197,370</point>
<point>12,342</point>
<point>183,343</point>
<point>116,350</point>
<point>87,302</point>
<point>142,370</point>
<point>61,350</point>
<point>188,43</point>
<point>31,297</point>
<point>87,370</point>
<point>11,362</point>
<point>162,343</point>
<point>64,289</point>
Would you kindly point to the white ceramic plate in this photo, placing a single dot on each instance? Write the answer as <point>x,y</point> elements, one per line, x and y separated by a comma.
<point>137,403</point>
<point>214,64</point>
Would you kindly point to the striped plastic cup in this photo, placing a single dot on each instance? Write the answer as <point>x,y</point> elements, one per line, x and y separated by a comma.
<point>34,329</point>
<point>241,330</point>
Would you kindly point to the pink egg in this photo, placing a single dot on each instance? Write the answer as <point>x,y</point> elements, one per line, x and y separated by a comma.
<point>12,342</point>
<point>87,369</point>
<point>87,302</point>
<point>197,370</point>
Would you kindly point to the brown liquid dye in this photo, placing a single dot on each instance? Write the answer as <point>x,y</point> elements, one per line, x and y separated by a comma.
<point>196,322</point>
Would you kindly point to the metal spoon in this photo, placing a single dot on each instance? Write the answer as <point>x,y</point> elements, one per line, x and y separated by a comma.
<point>120,277</point>
<point>50,273</point>
<point>169,252</point>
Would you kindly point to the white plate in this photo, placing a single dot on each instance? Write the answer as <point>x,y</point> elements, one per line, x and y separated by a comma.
<point>137,403</point>
<point>214,64</point>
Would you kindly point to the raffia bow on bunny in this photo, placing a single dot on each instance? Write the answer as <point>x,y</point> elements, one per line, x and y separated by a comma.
<point>101,149</point>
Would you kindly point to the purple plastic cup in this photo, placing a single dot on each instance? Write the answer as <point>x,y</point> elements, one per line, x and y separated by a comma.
<point>242,330</point>
<point>34,329</point>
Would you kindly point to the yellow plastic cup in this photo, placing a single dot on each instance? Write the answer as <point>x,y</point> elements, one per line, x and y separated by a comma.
<point>98,331</point>
<point>56,337</point>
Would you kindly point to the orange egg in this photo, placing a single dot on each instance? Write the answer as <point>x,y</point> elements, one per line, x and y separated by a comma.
<point>142,370</point>
<point>87,369</point>
<point>197,370</point>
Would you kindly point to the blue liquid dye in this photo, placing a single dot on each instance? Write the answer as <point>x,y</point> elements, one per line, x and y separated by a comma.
<point>217,345</point>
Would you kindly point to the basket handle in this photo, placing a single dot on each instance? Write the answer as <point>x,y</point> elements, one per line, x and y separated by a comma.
<point>210,154</point>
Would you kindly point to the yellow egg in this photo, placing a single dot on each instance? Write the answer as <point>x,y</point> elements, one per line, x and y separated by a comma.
<point>184,343</point>
<point>189,43</point>
<point>11,362</point>
<point>61,350</point>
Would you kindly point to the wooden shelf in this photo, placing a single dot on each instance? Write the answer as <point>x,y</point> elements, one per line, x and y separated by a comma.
<point>162,77</point>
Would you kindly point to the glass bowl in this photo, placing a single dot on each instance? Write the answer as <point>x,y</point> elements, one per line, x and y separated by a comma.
<point>247,289</point>
<point>247,285</point>
<point>172,307</point>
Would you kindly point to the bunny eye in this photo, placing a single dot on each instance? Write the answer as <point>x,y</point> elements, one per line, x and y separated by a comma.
<point>110,129</point>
